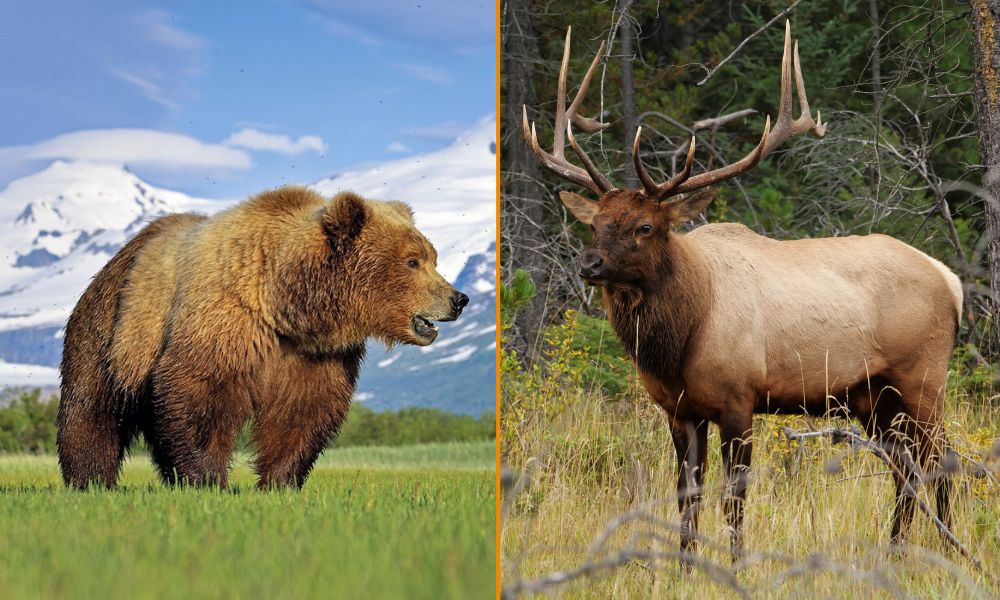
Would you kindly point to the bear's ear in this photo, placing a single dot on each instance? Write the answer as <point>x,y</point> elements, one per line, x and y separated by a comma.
<point>342,220</point>
<point>402,209</point>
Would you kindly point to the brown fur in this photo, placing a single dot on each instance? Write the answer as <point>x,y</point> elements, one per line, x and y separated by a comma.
<point>723,323</point>
<point>199,324</point>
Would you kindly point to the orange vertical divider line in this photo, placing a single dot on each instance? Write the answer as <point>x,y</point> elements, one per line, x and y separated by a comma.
<point>497,288</point>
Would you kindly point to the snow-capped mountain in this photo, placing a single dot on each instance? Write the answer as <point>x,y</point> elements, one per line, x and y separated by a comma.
<point>58,227</point>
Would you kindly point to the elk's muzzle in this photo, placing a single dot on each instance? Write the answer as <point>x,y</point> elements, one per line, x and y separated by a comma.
<point>591,265</point>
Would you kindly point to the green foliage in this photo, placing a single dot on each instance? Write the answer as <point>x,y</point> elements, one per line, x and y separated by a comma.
<point>515,297</point>
<point>586,349</point>
<point>28,424</point>
<point>580,356</point>
<point>365,427</point>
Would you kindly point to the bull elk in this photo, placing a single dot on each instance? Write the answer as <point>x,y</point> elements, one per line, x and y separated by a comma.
<point>723,323</point>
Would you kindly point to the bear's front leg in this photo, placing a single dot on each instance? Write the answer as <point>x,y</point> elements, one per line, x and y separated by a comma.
<point>196,421</point>
<point>306,403</point>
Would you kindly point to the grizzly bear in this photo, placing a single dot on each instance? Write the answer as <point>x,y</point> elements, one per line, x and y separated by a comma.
<point>200,324</point>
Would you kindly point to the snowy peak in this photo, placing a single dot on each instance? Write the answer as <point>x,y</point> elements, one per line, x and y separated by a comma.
<point>60,226</point>
<point>479,274</point>
<point>51,213</point>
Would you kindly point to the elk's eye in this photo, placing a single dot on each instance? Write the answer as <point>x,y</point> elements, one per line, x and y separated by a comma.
<point>645,229</point>
<point>413,263</point>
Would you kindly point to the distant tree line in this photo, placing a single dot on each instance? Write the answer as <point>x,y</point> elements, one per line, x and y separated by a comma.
<point>28,424</point>
<point>366,427</point>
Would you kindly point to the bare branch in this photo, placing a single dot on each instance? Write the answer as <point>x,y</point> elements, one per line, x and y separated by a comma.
<point>739,47</point>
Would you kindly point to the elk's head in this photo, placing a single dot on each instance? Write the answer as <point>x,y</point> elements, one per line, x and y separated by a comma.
<point>633,228</point>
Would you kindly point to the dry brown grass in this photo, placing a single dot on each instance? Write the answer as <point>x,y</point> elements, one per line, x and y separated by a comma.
<point>817,520</point>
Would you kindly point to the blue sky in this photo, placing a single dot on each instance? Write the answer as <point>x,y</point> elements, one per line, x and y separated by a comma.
<point>224,99</point>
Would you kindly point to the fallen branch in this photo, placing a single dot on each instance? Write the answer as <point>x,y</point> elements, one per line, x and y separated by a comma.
<point>859,441</point>
<point>713,570</point>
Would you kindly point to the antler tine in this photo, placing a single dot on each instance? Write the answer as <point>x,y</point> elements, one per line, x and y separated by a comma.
<point>785,126</point>
<point>785,97</point>
<point>587,124</point>
<point>818,127</point>
<point>556,162</point>
<point>648,184</point>
<point>598,177</point>
<point>711,177</point>
<point>562,168</point>
<point>653,189</point>
<point>559,127</point>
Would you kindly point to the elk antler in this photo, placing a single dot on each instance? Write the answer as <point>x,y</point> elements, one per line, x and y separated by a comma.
<point>556,162</point>
<point>784,127</point>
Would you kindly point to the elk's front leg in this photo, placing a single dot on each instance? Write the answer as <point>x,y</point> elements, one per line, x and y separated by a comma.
<point>691,443</point>
<point>737,444</point>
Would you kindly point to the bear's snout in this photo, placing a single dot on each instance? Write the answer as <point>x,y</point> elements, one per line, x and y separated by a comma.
<point>458,302</point>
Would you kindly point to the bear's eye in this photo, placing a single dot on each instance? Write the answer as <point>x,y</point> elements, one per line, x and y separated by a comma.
<point>413,263</point>
<point>645,229</point>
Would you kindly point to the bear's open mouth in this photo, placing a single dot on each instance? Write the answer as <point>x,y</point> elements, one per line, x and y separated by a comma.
<point>424,329</point>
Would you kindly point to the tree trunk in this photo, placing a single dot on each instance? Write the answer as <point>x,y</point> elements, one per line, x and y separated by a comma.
<point>985,15</point>
<point>522,214</point>
<point>626,34</point>
<point>876,62</point>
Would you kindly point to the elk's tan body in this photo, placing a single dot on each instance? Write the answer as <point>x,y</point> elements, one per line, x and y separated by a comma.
<point>798,323</point>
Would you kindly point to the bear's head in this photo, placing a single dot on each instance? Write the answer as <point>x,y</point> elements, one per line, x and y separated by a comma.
<point>375,276</point>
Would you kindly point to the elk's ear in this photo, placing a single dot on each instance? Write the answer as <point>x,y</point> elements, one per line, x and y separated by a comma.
<point>342,220</point>
<point>583,209</point>
<point>689,207</point>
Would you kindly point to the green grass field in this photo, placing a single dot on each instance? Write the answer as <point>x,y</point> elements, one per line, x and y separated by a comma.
<point>414,522</point>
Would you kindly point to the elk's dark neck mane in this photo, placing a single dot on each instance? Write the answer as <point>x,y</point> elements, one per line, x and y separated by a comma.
<point>657,318</point>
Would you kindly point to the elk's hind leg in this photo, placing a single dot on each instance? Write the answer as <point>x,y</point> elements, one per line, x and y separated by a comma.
<point>922,401</point>
<point>908,426</point>
<point>736,432</point>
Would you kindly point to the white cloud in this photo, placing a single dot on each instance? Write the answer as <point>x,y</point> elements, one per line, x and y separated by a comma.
<point>255,139</point>
<point>447,131</point>
<point>340,29</point>
<point>442,23</point>
<point>145,147</point>
<point>423,72</point>
<point>397,147</point>
<point>148,89</point>
<point>155,23</point>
